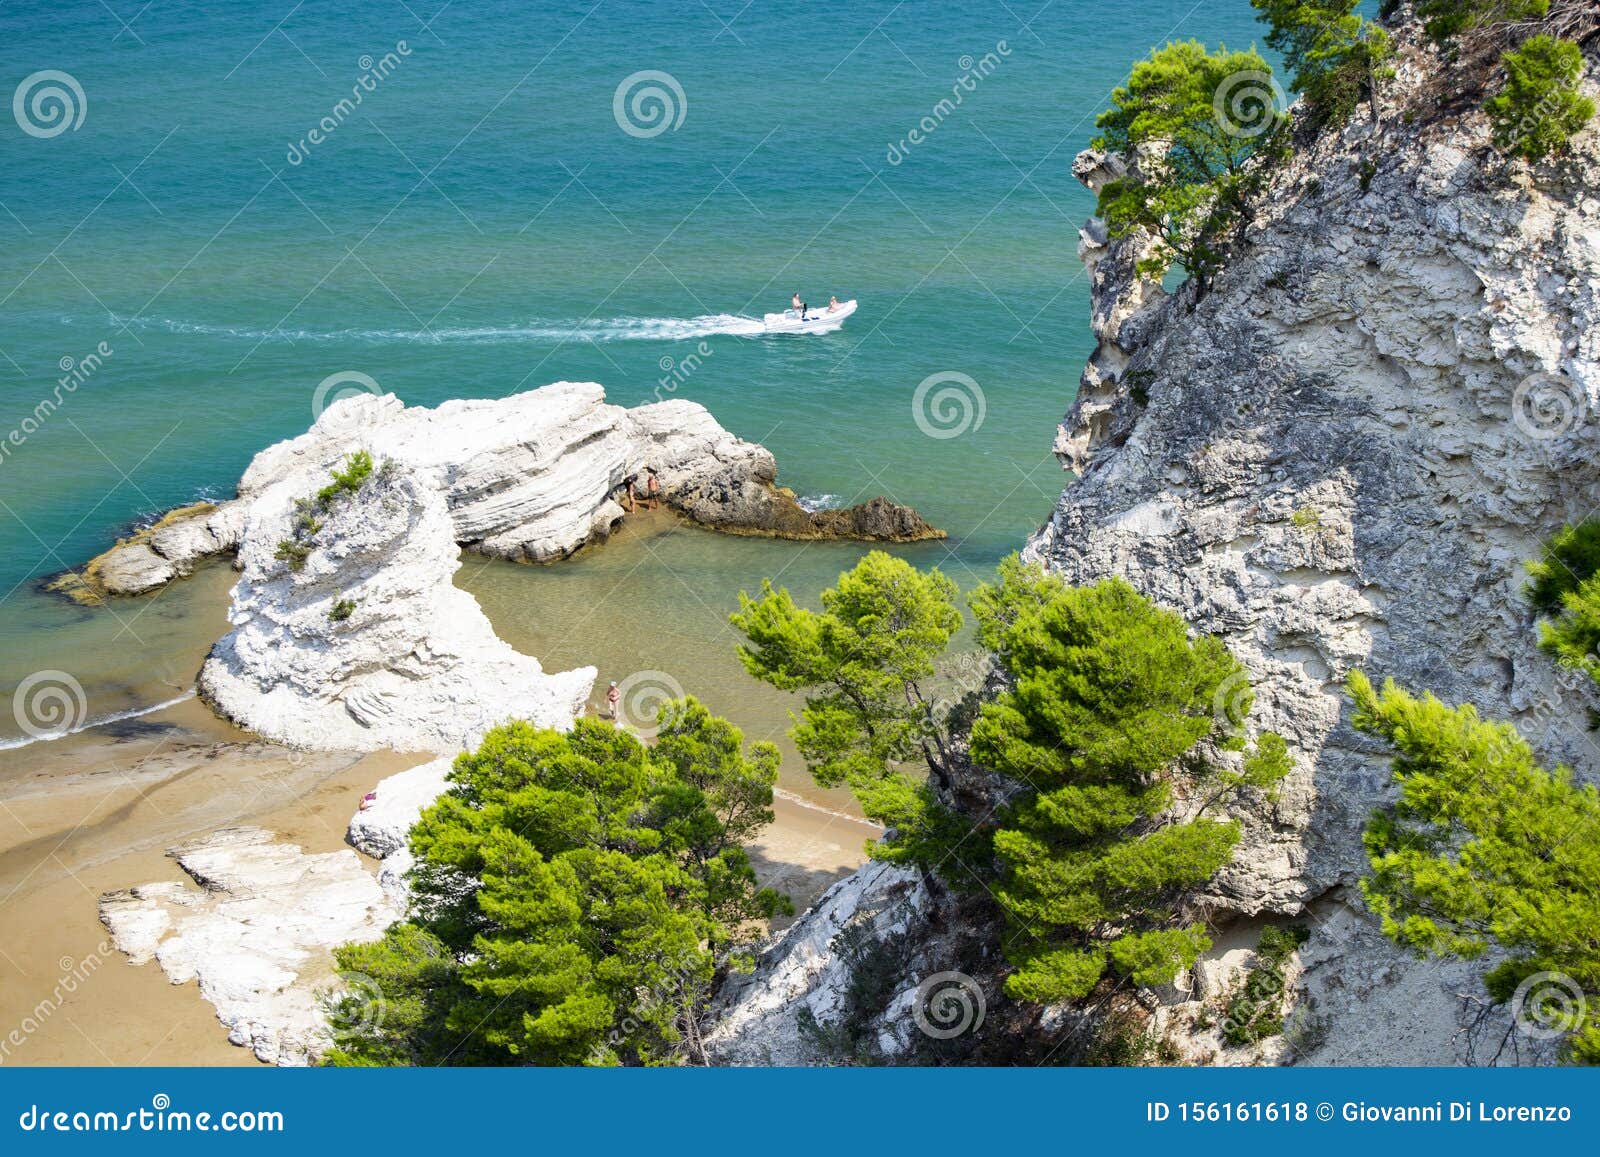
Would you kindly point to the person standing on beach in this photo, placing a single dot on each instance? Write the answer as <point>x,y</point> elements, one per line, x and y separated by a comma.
<point>654,488</point>
<point>613,696</point>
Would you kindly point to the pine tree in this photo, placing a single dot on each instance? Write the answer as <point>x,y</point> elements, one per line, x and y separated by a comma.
<point>1109,700</point>
<point>1187,122</point>
<point>1485,848</point>
<point>573,895</point>
<point>865,661</point>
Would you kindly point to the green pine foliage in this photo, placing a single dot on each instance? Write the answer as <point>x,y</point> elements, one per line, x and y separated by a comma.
<point>1335,56</point>
<point>1484,848</point>
<point>573,896</point>
<point>1188,121</point>
<point>1540,107</point>
<point>1446,19</point>
<point>357,469</point>
<point>1565,587</point>
<point>864,661</point>
<point>1569,559</point>
<point>1109,701</point>
<point>1255,1008</point>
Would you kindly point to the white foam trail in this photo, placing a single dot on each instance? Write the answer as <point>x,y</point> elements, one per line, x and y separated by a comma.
<point>115,717</point>
<point>801,801</point>
<point>591,330</point>
<point>811,503</point>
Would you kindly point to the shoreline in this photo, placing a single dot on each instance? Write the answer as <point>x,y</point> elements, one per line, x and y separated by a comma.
<point>103,804</point>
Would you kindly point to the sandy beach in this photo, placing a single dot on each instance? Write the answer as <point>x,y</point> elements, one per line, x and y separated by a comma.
<point>96,812</point>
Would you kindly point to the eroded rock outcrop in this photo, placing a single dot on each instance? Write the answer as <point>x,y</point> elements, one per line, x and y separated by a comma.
<point>380,828</point>
<point>256,924</point>
<point>531,477</point>
<point>362,642</point>
<point>254,929</point>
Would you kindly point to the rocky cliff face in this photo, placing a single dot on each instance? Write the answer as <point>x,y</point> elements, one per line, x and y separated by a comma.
<point>1339,458</point>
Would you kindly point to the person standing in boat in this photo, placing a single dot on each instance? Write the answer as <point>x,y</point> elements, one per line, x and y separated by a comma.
<point>800,306</point>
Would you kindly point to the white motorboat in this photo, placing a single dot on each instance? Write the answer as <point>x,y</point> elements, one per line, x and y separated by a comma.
<point>819,319</point>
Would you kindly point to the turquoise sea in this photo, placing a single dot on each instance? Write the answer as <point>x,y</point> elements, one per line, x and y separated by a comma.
<point>484,221</point>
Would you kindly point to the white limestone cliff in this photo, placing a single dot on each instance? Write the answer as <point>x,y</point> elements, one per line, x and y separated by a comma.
<point>368,645</point>
<point>1339,458</point>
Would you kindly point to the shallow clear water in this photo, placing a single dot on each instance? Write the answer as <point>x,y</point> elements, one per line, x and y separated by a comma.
<point>482,224</point>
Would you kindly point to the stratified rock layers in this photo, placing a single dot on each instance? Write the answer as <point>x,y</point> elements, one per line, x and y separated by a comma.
<point>365,643</point>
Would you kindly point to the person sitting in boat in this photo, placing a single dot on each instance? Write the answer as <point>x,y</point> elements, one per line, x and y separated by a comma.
<point>833,304</point>
<point>800,306</point>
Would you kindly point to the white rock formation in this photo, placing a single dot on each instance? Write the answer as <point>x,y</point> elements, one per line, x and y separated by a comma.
<point>530,477</point>
<point>757,1019</point>
<point>255,933</point>
<point>1340,458</point>
<point>380,829</point>
<point>413,666</point>
<point>527,476</point>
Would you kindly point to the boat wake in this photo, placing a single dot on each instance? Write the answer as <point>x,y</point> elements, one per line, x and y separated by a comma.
<point>537,330</point>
